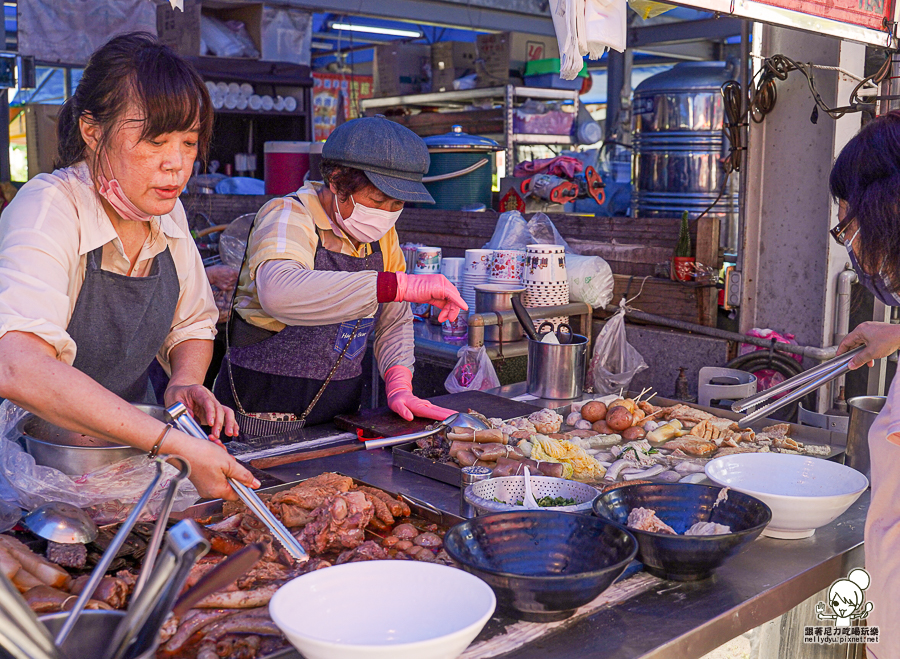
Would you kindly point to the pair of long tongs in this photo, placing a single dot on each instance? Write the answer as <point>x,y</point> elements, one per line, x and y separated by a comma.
<point>800,384</point>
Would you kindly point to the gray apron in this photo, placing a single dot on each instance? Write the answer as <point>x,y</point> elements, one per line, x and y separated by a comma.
<point>283,372</point>
<point>119,323</point>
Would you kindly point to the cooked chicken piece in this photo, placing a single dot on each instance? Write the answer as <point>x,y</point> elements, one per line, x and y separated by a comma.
<point>312,493</point>
<point>397,507</point>
<point>644,519</point>
<point>382,512</point>
<point>723,424</point>
<point>367,551</point>
<point>787,443</point>
<point>778,430</point>
<point>647,408</point>
<point>698,447</point>
<point>338,523</point>
<point>708,528</point>
<point>685,414</point>
<point>110,590</point>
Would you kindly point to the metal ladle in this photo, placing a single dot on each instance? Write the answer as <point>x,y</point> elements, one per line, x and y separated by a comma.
<point>459,419</point>
<point>62,523</point>
<point>108,557</point>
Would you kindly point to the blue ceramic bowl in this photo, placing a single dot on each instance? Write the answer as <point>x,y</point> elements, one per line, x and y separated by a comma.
<point>542,565</point>
<point>681,505</point>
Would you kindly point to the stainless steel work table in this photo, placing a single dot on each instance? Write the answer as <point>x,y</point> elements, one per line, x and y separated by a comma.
<point>767,579</point>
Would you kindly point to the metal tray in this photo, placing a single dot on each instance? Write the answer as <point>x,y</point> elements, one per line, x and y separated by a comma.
<point>404,458</point>
<point>212,510</point>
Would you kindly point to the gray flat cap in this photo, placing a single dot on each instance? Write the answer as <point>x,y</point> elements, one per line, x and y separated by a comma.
<point>393,157</point>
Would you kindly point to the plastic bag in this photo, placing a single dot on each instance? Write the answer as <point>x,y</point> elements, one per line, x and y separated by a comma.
<point>590,280</point>
<point>107,494</point>
<point>473,372</point>
<point>544,232</point>
<point>615,361</point>
<point>511,232</point>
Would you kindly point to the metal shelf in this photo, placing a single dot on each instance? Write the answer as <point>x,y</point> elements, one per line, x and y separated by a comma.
<point>505,95</point>
<point>464,97</point>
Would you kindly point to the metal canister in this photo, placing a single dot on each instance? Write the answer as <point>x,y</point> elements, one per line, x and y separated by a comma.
<point>470,476</point>
<point>863,410</point>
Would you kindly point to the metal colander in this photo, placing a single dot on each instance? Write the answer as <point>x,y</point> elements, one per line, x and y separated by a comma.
<point>481,495</point>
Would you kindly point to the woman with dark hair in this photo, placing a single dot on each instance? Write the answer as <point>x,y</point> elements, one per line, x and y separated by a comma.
<point>324,269</point>
<point>99,275</point>
<point>865,181</point>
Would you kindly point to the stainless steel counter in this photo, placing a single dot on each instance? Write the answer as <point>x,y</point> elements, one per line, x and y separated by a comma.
<point>767,579</point>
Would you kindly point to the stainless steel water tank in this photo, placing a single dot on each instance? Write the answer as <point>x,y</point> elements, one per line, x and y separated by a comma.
<point>679,146</point>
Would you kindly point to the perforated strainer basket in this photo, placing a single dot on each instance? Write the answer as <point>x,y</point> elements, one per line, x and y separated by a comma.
<point>481,495</point>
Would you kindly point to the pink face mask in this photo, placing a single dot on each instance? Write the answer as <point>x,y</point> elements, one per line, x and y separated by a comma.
<point>115,195</point>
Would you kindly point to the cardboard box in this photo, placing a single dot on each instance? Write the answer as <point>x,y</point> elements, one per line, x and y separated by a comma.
<point>506,51</point>
<point>450,60</point>
<point>401,69</point>
<point>180,30</point>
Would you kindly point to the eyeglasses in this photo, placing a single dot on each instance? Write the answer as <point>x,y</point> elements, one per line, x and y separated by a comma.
<point>838,232</point>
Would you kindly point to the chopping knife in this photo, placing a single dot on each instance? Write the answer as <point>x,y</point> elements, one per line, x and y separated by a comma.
<point>186,424</point>
<point>226,572</point>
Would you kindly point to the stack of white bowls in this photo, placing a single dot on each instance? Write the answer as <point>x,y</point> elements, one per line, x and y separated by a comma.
<point>546,280</point>
<point>428,262</point>
<point>234,96</point>
<point>507,266</point>
<point>477,270</point>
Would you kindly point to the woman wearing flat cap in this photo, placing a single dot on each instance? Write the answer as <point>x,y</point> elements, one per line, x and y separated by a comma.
<point>324,269</point>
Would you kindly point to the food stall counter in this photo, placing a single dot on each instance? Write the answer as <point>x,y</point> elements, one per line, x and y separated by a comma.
<point>669,619</point>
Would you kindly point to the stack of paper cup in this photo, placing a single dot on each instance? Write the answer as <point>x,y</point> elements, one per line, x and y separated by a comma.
<point>546,280</point>
<point>452,268</point>
<point>477,270</point>
<point>507,266</point>
<point>409,255</point>
<point>428,262</point>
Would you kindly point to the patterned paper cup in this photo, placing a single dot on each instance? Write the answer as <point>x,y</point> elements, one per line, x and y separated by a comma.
<point>478,262</point>
<point>428,260</point>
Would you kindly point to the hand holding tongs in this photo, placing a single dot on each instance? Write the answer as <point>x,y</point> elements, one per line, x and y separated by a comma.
<point>186,424</point>
<point>805,382</point>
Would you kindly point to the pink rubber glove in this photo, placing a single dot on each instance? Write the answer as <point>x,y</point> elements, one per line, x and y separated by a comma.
<point>430,289</point>
<point>398,385</point>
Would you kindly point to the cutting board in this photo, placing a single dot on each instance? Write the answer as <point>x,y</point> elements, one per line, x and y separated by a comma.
<point>382,422</point>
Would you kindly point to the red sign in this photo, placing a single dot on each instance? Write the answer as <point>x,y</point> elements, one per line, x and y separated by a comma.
<point>866,13</point>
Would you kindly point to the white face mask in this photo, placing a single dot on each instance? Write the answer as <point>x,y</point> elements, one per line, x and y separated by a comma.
<point>365,224</point>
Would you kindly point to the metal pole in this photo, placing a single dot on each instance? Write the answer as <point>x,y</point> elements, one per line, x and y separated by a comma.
<point>615,81</point>
<point>745,142</point>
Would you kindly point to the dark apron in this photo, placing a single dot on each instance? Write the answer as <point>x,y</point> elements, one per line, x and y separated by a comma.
<point>282,372</point>
<point>119,324</point>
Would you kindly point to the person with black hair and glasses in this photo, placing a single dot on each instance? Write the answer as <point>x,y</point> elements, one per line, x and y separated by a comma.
<point>865,181</point>
<point>99,274</point>
<point>323,271</point>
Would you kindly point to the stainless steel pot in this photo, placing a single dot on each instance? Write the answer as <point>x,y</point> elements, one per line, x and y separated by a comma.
<point>498,297</point>
<point>863,410</point>
<point>71,452</point>
<point>556,371</point>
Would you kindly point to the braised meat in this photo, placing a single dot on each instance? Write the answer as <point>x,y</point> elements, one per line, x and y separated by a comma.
<point>338,523</point>
<point>294,506</point>
<point>644,519</point>
<point>367,551</point>
<point>74,556</point>
<point>110,590</point>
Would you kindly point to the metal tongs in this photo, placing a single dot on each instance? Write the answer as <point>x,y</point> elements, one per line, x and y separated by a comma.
<point>800,384</point>
<point>186,424</point>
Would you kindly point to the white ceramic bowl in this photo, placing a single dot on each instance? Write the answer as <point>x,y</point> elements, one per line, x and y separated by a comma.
<point>804,493</point>
<point>383,610</point>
